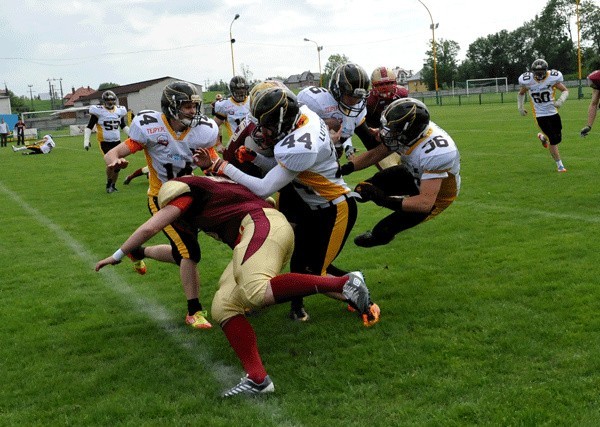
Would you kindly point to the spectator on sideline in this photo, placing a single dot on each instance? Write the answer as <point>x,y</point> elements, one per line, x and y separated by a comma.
<point>168,139</point>
<point>20,131</point>
<point>43,146</point>
<point>108,118</point>
<point>262,242</point>
<point>425,183</point>
<point>3,132</point>
<point>594,82</point>
<point>541,82</point>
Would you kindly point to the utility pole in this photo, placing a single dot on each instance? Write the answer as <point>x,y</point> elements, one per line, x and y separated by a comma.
<point>51,94</point>
<point>31,96</point>
<point>62,97</point>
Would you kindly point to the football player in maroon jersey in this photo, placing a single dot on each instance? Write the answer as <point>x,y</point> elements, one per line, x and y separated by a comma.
<point>262,241</point>
<point>594,82</point>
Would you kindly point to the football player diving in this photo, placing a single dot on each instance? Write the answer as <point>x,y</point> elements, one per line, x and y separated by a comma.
<point>427,181</point>
<point>168,139</point>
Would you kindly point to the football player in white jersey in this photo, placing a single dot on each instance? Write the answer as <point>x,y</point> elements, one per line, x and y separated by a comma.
<point>109,119</point>
<point>427,181</point>
<point>541,84</point>
<point>43,146</point>
<point>231,111</point>
<point>594,82</point>
<point>168,139</point>
<point>304,157</point>
<point>343,104</point>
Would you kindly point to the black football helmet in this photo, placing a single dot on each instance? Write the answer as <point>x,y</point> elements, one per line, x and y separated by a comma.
<point>352,80</point>
<point>109,99</point>
<point>238,86</point>
<point>403,123</point>
<point>174,94</point>
<point>275,109</point>
<point>539,69</point>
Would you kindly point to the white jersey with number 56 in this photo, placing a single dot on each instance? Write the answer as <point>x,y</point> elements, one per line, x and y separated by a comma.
<point>542,91</point>
<point>168,153</point>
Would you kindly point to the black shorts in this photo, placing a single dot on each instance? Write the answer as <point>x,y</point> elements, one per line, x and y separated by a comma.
<point>106,146</point>
<point>552,128</point>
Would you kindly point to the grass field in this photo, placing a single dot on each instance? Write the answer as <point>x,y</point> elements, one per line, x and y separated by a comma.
<point>489,311</point>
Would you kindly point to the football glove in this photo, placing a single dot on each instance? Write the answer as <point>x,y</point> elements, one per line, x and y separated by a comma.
<point>217,167</point>
<point>584,132</point>
<point>345,169</point>
<point>369,192</point>
<point>244,154</point>
<point>349,150</point>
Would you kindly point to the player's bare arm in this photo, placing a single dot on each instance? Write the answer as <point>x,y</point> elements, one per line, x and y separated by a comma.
<point>425,200</point>
<point>145,232</point>
<point>115,158</point>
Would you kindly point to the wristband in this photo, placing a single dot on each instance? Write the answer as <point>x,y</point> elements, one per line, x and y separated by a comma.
<point>118,255</point>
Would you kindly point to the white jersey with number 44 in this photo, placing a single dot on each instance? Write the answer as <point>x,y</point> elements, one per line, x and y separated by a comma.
<point>308,150</point>
<point>542,91</point>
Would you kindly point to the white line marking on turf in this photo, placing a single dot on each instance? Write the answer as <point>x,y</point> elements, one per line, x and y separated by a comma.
<point>225,375</point>
<point>532,212</point>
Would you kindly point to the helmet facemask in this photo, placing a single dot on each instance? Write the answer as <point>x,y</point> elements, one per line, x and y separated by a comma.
<point>384,83</point>
<point>175,95</point>
<point>188,120</point>
<point>238,86</point>
<point>109,99</point>
<point>539,68</point>
<point>403,123</point>
<point>275,112</point>
<point>352,81</point>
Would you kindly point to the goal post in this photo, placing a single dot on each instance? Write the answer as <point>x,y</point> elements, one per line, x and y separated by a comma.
<point>491,84</point>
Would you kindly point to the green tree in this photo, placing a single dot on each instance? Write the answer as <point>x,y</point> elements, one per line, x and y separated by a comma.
<point>446,64</point>
<point>18,104</point>
<point>332,63</point>
<point>104,86</point>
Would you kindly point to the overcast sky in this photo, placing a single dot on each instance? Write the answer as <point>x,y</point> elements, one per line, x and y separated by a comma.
<point>86,43</point>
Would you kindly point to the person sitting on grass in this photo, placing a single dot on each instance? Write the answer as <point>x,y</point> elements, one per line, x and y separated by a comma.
<point>43,146</point>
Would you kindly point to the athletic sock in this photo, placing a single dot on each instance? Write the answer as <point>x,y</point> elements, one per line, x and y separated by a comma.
<point>288,286</point>
<point>194,306</point>
<point>242,339</point>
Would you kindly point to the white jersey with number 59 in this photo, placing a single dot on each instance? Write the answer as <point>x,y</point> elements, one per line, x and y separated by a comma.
<point>542,91</point>
<point>168,153</point>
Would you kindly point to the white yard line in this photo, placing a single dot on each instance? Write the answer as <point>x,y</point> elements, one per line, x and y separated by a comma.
<point>225,376</point>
